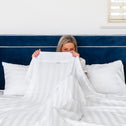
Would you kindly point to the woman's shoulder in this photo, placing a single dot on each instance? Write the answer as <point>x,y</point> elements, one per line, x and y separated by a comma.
<point>83,64</point>
<point>82,60</point>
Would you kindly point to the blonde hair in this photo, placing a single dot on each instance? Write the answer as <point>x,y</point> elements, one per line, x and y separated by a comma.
<point>66,39</point>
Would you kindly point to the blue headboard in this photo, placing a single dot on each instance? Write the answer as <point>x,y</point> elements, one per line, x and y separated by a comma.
<point>94,49</point>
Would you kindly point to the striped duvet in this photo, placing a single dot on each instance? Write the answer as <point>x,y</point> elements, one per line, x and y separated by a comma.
<point>59,94</point>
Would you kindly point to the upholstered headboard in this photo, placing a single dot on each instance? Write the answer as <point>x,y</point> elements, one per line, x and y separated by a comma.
<point>94,49</point>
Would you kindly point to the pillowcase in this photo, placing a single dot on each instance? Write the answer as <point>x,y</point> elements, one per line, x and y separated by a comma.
<point>107,78</point>
<point>14,78</point>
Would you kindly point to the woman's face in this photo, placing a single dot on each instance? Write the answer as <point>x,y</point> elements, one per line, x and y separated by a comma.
<point>68,47</point>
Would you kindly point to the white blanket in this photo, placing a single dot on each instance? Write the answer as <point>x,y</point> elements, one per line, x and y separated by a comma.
<point>59,94</point>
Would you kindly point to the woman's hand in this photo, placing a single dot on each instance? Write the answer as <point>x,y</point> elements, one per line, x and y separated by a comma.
<point>75,54</point>
<point>36,53</point>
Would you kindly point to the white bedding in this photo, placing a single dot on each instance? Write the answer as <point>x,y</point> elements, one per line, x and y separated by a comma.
<point>59,94</point>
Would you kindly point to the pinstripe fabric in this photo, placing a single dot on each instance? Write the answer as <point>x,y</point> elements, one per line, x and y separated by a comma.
<point>52,94</point>
<point>59,94</point>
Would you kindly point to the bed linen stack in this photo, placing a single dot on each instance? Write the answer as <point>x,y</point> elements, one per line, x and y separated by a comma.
<point>60,94</point>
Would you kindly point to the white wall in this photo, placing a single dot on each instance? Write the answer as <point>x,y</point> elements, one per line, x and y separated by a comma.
<point>54,17</point>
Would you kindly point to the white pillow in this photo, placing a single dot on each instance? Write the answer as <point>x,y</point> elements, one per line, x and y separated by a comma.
<point>107,78</point>
<point>14,79</point>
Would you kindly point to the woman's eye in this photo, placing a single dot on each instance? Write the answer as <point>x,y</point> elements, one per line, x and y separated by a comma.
<point>71,49</point>
<point>65,49</point>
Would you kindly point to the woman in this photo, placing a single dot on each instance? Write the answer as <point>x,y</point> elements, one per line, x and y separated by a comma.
<point>67,43</point>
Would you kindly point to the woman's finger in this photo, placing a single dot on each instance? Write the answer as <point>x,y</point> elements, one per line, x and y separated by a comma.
<point>75,54</point>
<point>36,53</point>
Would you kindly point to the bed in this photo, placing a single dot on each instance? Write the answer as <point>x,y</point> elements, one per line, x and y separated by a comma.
<point>109,51</point>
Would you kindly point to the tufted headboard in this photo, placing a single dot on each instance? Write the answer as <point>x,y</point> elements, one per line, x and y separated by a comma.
<point>94,49</point>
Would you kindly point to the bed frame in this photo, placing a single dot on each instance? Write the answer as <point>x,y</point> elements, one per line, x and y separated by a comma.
<point>94,49</point>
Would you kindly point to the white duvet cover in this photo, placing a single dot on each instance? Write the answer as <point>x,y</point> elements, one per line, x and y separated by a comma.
<point>59,94</point>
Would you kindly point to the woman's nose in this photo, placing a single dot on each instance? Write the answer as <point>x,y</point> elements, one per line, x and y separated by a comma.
<point>68,51</point>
